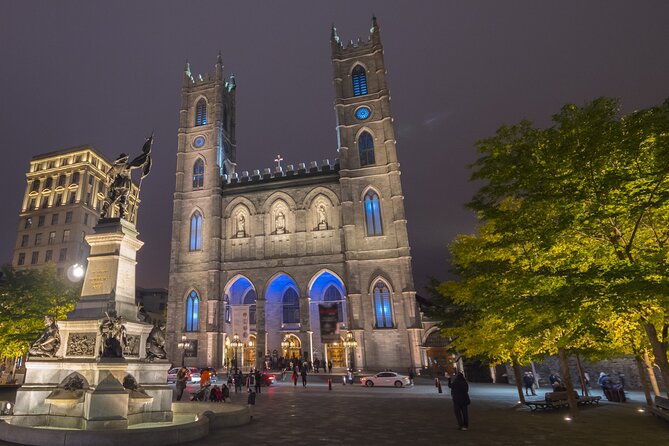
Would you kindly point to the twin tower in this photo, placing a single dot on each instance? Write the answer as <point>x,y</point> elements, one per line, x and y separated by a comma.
<point>289,263</point>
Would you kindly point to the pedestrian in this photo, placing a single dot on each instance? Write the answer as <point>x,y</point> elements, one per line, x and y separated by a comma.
<point>251,401</point>
<point>460,397</point>
<point>295,377</point>
<point>304,377</point>
<point>258,381</point>
<point>317,364</point>
<point>182,376</point>
<point>412,375</point>
<point>329,366</point>
<point>251,380</point>
<point>225,392</point>
<point>238,381</point>
<point>205,377</point>
<point>528,382</point>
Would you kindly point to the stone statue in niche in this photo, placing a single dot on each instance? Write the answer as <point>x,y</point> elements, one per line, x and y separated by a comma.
<point>74,382</point>
<point>48,342</point>
<point>280,221</point>
<point>119,179</point>
<point>322,217</point>
<point>155,343</point>
<point>241,226</point>
<point>113,333</point>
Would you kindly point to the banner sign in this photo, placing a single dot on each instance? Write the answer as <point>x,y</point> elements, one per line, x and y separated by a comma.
<point>240,322</point>
<point>329,316</point>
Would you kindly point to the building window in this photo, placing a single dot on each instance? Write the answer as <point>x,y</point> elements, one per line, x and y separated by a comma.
<point>61,180</point>
<point>366,149</point>
<point>291,306</point>
<point>359,81</point>
<point>66,235</point>
<point>68,217</point>
<point>24,240</point>
<point>45,202</point>
<point>62,255</point>
<point>73,197</point>
<point>196,232</point>
<point>250,299</point>
<point>201,112</point>
<point>198,174</point>
<point>38,239</point>
<point>59,199</point>
<point>35,258</point>
<point>227,315</point>
<point>54,219</point>
<point>28,224</point>
<point>49,183</point>
<point>90,180</point>
<point>35,186</point>
<point>40,221</point>
<point>382,307</point>
<point>75,178</point>
<point>373,214</point>
<point>52,238</point>
<point>51,164</point>
<point>49,256</point>
<point>32,204</point>
<point>85,219</point>
<point>332,294</point>
<point>192,310</point>
<point>22,258</point>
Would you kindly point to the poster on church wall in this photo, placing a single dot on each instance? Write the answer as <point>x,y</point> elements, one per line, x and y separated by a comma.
<point>329,316</point>
<point>240,322</point>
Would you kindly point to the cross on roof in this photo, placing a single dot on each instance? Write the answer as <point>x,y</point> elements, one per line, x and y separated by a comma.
<point>278,161</point>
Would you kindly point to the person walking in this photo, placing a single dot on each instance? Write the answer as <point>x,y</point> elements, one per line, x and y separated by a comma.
<point>528,382</point>
<point>225,392</point>
<point>295,377</point>
<point>182,376</point>
<point>460,396</point>
<point>238,381</point>
<point>304,377</point>
<point>251,380</point>
<point>258,381</point>
<point>412,375</point>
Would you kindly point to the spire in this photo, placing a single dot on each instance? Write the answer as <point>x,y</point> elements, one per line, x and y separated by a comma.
<point>335,42</point>
<point>374,31</point>
<point>188,77</point>
<point>219,58</point>
<point>231,84</point>
<point>218,68</point>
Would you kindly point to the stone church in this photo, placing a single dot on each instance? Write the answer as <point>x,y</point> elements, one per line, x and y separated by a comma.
<point>295,261</point>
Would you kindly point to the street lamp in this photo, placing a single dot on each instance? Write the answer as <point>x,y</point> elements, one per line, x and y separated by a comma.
<point>350,344</point>
<point>236,344</point>
<point>185,344</point>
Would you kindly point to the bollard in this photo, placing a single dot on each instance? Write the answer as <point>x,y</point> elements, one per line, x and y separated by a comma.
<point>329,384</point>
<point>439,386</point>
<point>343,380</point>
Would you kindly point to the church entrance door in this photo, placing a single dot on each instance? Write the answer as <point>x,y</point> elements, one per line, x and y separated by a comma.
<point>336,354</point>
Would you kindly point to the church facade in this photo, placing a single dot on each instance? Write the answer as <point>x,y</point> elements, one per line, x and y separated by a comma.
<point>293,262</point>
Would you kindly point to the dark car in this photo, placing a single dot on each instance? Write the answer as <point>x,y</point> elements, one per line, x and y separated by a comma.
<point>266,379</point>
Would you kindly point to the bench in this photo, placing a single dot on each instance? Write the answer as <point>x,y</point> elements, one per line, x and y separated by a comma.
<point>557,400</point>
<point>661,408</point>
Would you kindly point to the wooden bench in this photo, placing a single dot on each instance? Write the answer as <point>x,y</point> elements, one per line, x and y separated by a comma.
<point>557,400</point>
<point>661,408</point>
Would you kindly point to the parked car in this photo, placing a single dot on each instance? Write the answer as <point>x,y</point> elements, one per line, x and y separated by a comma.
<point>385,379</point>
<point>266,379</point>
<point>214,377</point>
<point>193,375</point>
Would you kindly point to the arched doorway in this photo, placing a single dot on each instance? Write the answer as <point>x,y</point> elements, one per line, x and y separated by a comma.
<point>440,357</point>
<point>282,311</point>
<point>250,352</point>
<point>291,348</point>
<point>328,317</point>
<point>240,320</point>
<point>336,353</point>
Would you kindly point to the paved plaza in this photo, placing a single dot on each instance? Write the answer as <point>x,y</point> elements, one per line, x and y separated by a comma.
<point>355,415</point>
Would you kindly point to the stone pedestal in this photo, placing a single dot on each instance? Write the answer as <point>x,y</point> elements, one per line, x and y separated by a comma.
<point>110,393</point>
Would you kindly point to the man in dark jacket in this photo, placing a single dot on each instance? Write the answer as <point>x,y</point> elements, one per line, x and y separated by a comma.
<point>460,396</point>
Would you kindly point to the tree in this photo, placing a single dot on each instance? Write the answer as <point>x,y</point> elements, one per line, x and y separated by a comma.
<point>26,296</point>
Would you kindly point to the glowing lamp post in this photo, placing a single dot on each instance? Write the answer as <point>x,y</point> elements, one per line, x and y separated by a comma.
<point>236,344</point>
<point>185,344</point>
<point>75,272</point>
<point>350,344</point>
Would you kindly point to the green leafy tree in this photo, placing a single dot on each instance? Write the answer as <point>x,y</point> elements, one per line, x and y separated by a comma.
<point>26,296</point>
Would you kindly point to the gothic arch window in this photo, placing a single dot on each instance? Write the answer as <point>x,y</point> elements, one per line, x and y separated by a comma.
<point>198,174</point>
<point>366,149</point>
<point>291,306</point>
<point>382,306</point>
<point>227,316</point>
<point>250,299</point>
<point>195,232</point>
<point>373,214</point>
<point>201,112</point>
<point>192,311</point>
<point>359,81</point>
<point>332,294</point>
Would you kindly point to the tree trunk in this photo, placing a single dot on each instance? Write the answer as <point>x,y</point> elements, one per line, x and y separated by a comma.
<point>644,381</point>
<point>660,352</point>
<point>651,373</point>
<point>581,377</point>
<point>519,381</point>
<point>13,376</point>
<point>566,377</point>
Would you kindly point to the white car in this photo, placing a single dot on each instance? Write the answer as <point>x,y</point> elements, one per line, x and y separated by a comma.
<point>193,375</point>
<point>386,379</point>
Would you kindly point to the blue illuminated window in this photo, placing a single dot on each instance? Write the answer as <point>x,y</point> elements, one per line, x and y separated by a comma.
<point>373,214</point>
<point>192,311</point>
<point>291,307</point>
<point>332,294</point>
<point>366,149</point>
<point>382,306</point>
<point>250,299</point>
<point>198,174</point>
<point>201,112</point>
<point>196,232</point>
<point>359,81</point>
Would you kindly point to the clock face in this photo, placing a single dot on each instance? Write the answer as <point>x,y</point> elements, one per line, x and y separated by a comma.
<point>363,113</point>
<point>198,142</point>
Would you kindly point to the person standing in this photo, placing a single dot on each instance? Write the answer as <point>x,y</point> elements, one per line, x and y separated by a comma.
<point>182,376</point>
<point>528,382</point>
<point>238,381</point>
<point>251,401</point>
<point>412,375</point>
<point>460,397</point>
<point>295,377</point>
<point>304,377</point>
<point>329,366</point>
<point>251,380</point>
<point>258,381</point>
<point>205,377</point>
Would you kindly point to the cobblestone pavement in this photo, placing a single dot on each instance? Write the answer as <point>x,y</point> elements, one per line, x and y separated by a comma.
<point>355,415</point>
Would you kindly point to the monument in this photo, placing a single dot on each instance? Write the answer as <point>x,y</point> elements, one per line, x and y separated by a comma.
<point>104,367</point>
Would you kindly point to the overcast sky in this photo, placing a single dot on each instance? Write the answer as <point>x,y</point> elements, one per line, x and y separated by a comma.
<point>107,73</point>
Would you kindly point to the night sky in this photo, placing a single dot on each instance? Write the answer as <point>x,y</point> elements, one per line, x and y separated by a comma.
<point>107,73</point>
